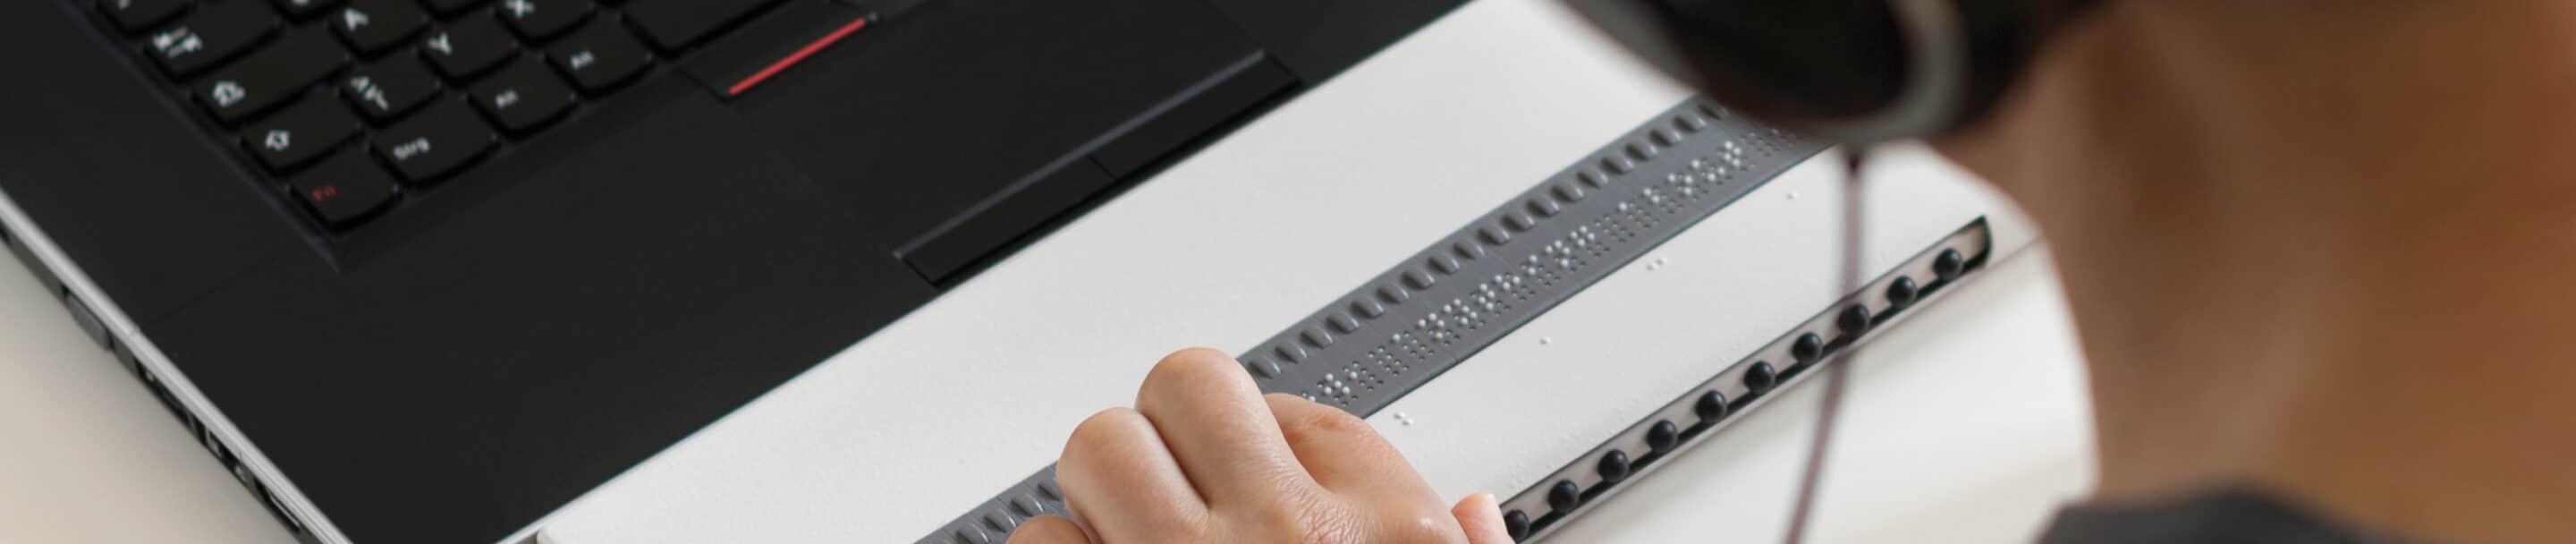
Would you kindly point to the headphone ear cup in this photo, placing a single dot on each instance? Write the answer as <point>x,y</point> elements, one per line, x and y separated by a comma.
<point>2004,37</point>
<point>1837,67</point>
<point>1788,61</point>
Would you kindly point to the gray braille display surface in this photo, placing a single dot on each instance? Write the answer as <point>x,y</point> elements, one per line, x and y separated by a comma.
<point>1466,290</point>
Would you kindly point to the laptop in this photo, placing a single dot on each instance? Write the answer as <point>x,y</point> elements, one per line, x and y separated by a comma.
<point>427,270</point>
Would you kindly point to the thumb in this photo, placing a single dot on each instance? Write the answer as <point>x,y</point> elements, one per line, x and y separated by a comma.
<point>1482,517</point>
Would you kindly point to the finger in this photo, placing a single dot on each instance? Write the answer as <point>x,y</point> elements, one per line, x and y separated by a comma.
<point>1212,417</point>
<point>1342,453</point>
<point>1122,483</point>
<point>1482,516</point>
<point>1049,530</point>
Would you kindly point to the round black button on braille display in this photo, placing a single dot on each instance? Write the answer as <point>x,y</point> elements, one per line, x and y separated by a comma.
<point>1516,523</point>
<point>1854,320</point>
<point>1902,291</point>
<point>1807,347</point>
<point>1564,495</point>
<point>1949,264</point>
<point>1664,435</point>
<point>1711,406</point>
<point>1761,377</point>
<point>1613,466</point>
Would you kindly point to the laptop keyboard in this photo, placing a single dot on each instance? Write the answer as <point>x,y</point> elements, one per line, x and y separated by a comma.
<point>354,104</point>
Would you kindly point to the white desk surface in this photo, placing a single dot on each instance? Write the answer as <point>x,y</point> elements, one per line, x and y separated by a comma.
<point>93,458</point>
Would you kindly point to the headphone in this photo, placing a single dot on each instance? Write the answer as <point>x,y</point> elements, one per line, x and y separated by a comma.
<point>1848,71</point>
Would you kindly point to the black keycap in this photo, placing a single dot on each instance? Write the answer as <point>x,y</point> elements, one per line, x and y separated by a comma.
<point>435,142</point>
<point>523,97</point>
<point>372,26</point>
<point>211,36</point>
<point>1854,319</point>
<point>600,56</point>
<point>344,189</point>
<point>135,15</point>
<point>468,47</point>
<point>673,24</point>
<point>1613,466</point>
<point>300,133</point>
<point>272,76</point>
<point>1903,291</point>
<point>541,19</point>
<point>1564,495</point>
<point>450,7</point>
<point>304,9</point>
<point>1761,377</point>
<point>1949,264</point>
<point>1711,405</point>
<point>1663,436</point>
<point>1807,347</point>
<point>387,89</point>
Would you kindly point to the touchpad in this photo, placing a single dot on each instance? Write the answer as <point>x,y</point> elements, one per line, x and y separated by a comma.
<point>953,107</point>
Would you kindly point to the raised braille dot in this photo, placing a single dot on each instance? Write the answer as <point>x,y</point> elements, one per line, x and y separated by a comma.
<point>1903,291</point>
<point>1592,178</point>
<point>1807,347</point>
<point>1418,280</point>
<point>1493,236</point>
<point>1568,192</point>
<point>1613,466</point>
<point>1664,434</point>
<point>1854,320</point>
<point>1444,263</point>
<point>1761,377</point>
<point>1949,264</point>
<point>1262,367</point>
<point>1617,164</point>
<point>1564,495</point>
<point>1342,323</point>
<point>1543,207</point>
<point>1516,524</point>
<point>1711,405</point>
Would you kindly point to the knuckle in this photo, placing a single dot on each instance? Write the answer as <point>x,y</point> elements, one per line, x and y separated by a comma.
<point>1192,363</point>
<point>1333,421</point>
<point>1105,429</point>
<point>1192,369</point>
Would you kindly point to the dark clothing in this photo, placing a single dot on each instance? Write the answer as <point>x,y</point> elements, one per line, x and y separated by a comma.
<point>2231,517</point>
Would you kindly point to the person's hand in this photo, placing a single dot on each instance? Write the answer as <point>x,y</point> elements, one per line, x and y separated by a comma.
<point>1204,457</point>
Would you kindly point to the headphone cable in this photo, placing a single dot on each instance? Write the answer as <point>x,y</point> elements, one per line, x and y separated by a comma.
<point>1836,376</point>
